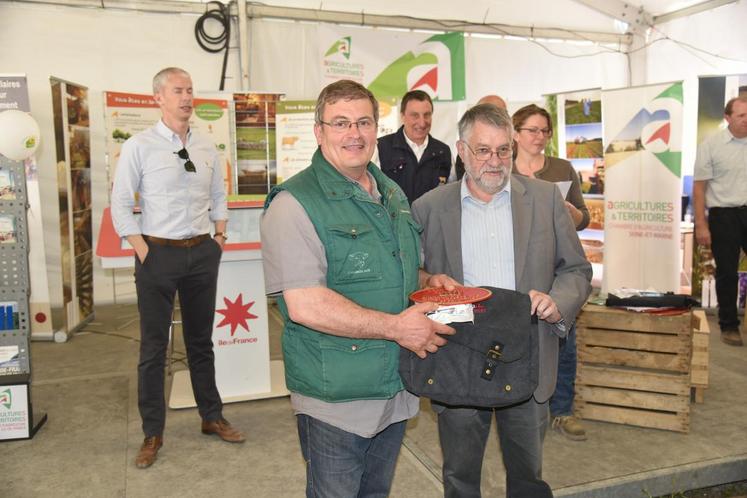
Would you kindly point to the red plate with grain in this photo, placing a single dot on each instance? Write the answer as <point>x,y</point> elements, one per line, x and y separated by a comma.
<point>460,295</point>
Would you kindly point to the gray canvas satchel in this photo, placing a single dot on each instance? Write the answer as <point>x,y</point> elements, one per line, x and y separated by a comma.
<point>490,363</point>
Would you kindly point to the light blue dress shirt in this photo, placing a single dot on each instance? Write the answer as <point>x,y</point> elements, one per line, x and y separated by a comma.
<point>488,240</point>
<point>175,203</point>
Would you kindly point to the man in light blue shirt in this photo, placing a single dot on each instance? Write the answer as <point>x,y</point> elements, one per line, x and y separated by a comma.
<point>721,185</point>
<point>178,180</point>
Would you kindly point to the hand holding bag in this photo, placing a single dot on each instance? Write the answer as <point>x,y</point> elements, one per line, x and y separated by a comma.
<point>490,363</point>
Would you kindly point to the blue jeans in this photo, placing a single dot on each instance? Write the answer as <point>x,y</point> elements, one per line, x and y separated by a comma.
<point>561,403</point>
<point>463,433</point>
<point>343,464</point>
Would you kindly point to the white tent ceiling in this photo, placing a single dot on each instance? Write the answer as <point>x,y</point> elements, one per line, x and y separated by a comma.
<point>579,19</point>
<point>569,14</point>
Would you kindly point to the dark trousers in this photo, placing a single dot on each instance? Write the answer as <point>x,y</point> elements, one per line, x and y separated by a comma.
<point>521,430</point>
<point>193,273</point>
<point>561,403</point>
<point>728,235</point>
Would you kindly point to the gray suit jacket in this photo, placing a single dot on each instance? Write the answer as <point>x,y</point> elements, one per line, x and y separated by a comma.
<point>547,254</point>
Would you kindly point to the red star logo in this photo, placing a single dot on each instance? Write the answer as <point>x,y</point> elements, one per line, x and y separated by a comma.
<point>236,313</point>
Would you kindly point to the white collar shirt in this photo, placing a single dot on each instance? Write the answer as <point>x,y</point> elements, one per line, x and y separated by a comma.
<point>418,150</point>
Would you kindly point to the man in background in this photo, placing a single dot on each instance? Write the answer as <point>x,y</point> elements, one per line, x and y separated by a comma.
<point>411,157</point>
<point>178,177</point>
<point>720,184</point>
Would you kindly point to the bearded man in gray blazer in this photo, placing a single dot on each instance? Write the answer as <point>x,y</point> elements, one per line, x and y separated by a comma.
<point>512,232</point>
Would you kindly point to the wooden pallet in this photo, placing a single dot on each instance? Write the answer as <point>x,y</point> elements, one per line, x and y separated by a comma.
<point>634,368</point>
<point>700,356</point>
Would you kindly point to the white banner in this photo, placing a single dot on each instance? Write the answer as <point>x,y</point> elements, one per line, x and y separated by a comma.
<point>240,332</point>
<point>643,137</point>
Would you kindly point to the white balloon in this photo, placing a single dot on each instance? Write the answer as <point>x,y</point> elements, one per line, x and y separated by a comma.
<point>19,135</point>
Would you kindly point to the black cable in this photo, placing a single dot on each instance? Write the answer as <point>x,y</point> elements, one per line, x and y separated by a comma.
<point>214,44</point>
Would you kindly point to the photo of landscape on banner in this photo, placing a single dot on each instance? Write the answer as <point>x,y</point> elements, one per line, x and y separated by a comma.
<point>255,142</point>
<point>584,146</point>
<point>392,65</point>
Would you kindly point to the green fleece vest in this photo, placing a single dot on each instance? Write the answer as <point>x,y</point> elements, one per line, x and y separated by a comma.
<point>373,254</point>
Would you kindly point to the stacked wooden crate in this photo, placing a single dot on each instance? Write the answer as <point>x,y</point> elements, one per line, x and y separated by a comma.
<point>699,363</point>
<point>634,368</point>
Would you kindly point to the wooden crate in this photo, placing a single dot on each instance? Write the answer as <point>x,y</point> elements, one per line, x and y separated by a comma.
<point>700,357</point>
<point>634,368</point>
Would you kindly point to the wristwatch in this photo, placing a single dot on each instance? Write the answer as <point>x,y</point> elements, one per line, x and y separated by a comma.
<point>222,234</point>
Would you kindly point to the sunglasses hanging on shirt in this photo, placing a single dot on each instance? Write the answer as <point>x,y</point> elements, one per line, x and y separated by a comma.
<point>189,165</point>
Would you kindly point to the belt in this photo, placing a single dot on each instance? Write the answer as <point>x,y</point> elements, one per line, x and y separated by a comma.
<point>177,242</point>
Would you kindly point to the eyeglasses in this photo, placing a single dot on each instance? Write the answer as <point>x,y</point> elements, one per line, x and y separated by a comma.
<point>341,125</point>
<point>189,165</point>
<point>536,131</point>
<point>484,153</point>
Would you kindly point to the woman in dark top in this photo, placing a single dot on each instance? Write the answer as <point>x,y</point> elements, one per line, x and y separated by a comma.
<point>532,130</point>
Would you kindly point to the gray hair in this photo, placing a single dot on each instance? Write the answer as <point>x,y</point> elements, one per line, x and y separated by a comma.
<point>161,76</point>
<point>344,90</point>
<point>487,114</point>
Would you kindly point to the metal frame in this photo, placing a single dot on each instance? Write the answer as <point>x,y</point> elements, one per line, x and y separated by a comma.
<point>14,271</point>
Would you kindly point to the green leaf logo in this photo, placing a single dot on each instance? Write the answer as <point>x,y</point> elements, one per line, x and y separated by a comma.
<point>341,46</point>
<point>6,399</point>
<point>436,67</point>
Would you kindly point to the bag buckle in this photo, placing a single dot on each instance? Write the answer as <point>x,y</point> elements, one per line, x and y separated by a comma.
<point>491,361</point>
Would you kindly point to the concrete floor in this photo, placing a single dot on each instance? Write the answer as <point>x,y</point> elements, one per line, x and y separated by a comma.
<point>88,388</point>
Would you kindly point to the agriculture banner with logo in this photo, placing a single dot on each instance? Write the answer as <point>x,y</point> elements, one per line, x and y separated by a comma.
<point>14,412</point>
<point>394,64</point>
<point>643,137</point>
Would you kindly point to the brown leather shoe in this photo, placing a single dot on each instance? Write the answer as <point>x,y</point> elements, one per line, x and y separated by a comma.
<point>731,337</point>
<point>570,427</point>
<point>223,429</point>
<point>148,452</point>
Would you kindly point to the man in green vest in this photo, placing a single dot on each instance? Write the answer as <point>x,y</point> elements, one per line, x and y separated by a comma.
<point>342,253</point>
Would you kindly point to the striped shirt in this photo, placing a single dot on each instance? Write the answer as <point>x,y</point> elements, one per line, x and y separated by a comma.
<point>488,240</point>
